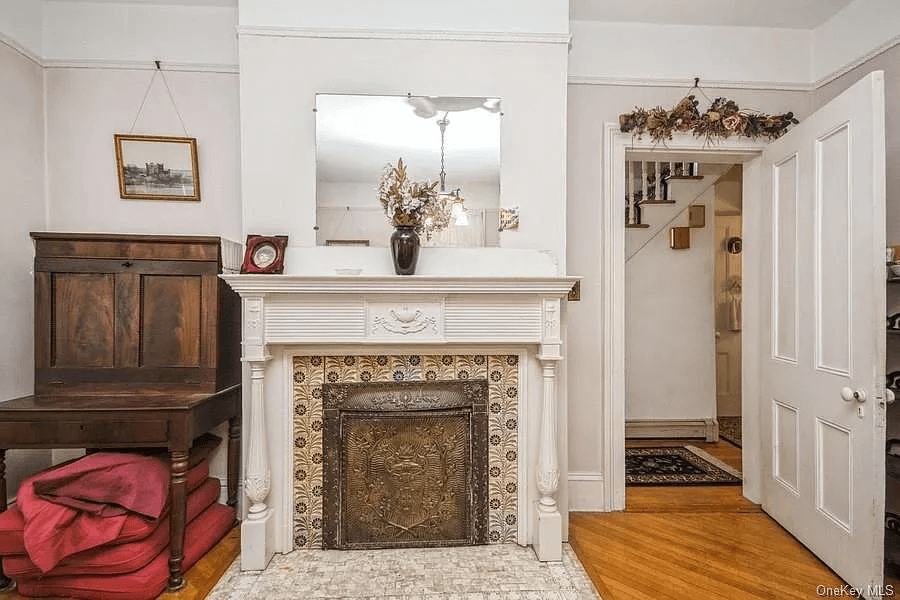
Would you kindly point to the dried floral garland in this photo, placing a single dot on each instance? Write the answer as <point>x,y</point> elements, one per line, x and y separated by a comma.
<point>721,120</point>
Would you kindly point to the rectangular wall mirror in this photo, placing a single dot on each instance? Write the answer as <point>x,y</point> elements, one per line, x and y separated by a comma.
<point>356,136</point>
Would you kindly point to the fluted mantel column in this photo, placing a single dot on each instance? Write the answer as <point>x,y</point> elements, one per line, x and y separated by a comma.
<point>256,545</point>
<point>257,481</point>
<point>548,530</point>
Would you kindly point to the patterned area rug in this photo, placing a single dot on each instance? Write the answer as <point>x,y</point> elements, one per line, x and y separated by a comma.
<point>730,430</point>
<point>684,465</point>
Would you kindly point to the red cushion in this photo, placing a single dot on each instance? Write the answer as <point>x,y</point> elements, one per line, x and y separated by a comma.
<point>120,558</point>
<point>12,523</point>
<point>144,584</point>
<point>106,484</point>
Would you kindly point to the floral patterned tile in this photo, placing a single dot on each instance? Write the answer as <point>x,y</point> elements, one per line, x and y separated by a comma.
<point>311,372</point>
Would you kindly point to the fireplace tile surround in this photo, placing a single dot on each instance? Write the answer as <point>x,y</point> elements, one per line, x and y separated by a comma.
<point>311,372</point>
<point>445,323</point>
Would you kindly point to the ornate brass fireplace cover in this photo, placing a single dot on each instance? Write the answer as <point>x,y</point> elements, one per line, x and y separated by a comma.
<point>405,464</point>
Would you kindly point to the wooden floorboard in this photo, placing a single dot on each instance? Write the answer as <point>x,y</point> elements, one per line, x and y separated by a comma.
<point>688,542</point>
<point>200,578</point>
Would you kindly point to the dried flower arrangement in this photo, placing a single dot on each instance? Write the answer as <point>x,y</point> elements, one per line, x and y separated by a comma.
<point>410,203</point>
<point>721,120</point>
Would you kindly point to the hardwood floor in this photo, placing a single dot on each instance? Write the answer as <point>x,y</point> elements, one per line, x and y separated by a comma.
<point>683,543</point>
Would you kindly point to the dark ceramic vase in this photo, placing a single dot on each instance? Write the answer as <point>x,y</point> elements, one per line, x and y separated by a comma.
<point>405,249</point>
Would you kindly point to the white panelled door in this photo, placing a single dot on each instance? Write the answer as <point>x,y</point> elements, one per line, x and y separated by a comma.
<point>822,341</point>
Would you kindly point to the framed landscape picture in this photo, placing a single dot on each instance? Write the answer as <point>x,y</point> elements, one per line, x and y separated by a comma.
<point>155,167</point>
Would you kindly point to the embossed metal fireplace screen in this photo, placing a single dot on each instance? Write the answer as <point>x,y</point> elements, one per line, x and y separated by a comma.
<point>405,464</point>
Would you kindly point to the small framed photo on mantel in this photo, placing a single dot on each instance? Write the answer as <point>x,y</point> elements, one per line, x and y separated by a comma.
<point>156,167</point>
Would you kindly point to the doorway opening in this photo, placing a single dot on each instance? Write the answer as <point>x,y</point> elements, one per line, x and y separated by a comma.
<point>683,282</point>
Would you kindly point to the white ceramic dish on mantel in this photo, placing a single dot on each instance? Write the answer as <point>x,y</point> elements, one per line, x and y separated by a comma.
<point>348,270</point>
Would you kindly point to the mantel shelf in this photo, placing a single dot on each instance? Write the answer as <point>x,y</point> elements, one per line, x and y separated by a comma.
<point>247,284</point>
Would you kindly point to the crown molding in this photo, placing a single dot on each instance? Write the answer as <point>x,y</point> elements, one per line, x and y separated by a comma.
<point>822,82</point>
<point>404,34</point>
<point>138,65</point>
<point>791,86</point>
<point>17,47</point>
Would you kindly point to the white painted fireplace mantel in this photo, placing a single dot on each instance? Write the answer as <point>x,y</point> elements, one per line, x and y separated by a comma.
<point>292,314</point>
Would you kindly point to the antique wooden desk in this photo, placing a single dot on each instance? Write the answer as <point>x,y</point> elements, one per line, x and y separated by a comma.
<point>125,421</point>
<point>137,344</point>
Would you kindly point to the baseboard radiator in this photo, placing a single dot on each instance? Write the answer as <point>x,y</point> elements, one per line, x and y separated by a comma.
<point>707,429</point>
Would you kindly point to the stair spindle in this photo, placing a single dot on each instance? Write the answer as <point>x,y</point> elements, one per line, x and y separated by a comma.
<point>657,181</point>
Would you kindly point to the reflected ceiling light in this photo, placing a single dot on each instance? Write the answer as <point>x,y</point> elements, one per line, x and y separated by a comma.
<point>452,198</point>
<point>429,106</point>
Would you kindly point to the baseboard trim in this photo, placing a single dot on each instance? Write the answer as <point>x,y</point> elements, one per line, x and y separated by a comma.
<point>708,429</point>
<point>586,492</point>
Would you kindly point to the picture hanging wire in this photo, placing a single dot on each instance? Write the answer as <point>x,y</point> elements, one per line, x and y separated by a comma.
<point>700,89</point>
<point>158,70</point>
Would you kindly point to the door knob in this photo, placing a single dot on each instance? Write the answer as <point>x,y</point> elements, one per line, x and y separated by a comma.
<point>849,395</point>
<point>889,395</point>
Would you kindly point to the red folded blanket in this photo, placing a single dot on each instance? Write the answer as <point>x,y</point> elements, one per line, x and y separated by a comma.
<point>120,558</point>
<point>53,502</point>
<point>106,484</point>
<point>136,527</point>
<point>146,583</point>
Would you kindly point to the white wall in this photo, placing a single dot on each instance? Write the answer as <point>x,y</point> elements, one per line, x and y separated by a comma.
<point>855,31</point>
<point>22,174</point>
<point>889,62</point>
<point>111,32</point>
<point>85,107</point>
<point>521,16</point>
<point>278,87</point>
<point>670,345</point>
<point>632,52</point>
<point>589,108</point>
<point>20,24</point>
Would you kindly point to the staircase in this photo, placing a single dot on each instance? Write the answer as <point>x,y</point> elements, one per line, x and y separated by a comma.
<point>651,208</point>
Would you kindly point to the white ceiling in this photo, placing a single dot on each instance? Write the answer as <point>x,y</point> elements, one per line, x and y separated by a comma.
<point>166,2</point>
<point>797,14</point>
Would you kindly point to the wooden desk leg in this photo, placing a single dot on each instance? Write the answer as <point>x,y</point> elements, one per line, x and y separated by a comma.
<point>234,459</point>
<point>5,582</point>
<point>179,464</point>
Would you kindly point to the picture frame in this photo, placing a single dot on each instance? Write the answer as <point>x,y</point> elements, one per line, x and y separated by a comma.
<point>157,167</point>
<point>264,254</point>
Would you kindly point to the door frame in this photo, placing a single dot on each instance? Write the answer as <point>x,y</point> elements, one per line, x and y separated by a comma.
<point>612,317</point>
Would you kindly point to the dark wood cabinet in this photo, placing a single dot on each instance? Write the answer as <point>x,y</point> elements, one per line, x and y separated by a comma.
<point>136,343</point>
<point>115,311</point>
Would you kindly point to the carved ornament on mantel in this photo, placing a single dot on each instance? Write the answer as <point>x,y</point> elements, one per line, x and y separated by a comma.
<point>405,319</point>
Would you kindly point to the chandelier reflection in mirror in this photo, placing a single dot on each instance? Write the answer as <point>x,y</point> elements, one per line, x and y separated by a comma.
<point>456,201</point>
<point>455,140</point>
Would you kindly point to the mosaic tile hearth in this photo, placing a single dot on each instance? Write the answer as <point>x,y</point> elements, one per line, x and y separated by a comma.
<point>494,572</point>
<point>501,373</point>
